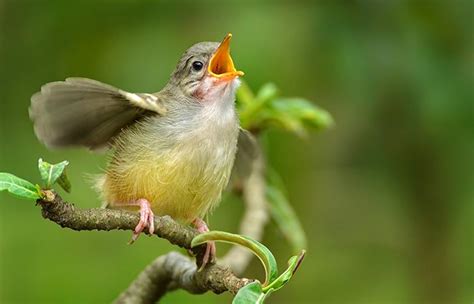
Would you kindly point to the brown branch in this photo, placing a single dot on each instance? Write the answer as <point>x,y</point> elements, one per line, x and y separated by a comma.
<point>68,216</point>
<point>174,269</point>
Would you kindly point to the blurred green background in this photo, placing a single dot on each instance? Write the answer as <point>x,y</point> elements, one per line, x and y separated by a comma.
<point>386,196</point>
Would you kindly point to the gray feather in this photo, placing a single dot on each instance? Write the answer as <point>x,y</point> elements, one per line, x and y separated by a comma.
<point>80,112</point>
<point>247,152</point>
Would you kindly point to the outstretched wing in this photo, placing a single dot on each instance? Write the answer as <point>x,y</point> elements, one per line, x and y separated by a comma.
<point>85,112</point>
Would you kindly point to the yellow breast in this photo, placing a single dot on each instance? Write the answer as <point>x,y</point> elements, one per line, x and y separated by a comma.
<point>184,180</point>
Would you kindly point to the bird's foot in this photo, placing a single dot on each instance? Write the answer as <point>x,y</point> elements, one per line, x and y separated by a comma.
<point>210,253</point>
<point>147,219</point>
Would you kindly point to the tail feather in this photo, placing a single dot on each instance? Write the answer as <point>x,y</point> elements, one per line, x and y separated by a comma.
<point>97,182</point>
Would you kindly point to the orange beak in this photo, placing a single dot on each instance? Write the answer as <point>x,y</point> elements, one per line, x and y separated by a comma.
<point>221,65</point>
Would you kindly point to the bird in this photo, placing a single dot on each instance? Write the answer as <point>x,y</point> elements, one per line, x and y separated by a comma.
<point>171,152</point>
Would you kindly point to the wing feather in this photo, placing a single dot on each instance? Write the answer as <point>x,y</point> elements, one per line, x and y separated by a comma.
<point>83,112</point>
<point>247,151</point>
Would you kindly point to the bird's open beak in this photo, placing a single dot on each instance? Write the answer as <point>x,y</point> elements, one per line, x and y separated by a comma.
<point>221,65</point>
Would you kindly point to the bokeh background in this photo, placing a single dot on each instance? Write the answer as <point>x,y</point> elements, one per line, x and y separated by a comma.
<point>386,196</point>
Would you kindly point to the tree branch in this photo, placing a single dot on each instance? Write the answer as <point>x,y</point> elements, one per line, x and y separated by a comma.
<point>172,271</point>
<point>173,268</point>
<point>68,216</point>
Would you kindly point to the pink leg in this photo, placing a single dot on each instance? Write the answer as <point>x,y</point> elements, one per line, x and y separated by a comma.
<point>147,218</point>
<point>210,253</point>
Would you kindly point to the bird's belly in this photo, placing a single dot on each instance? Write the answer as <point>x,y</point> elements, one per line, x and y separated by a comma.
<point>183,182</point>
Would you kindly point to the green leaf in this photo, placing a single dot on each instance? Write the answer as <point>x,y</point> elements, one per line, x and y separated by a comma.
<point>18,187</point>
<point>267,110</point>
<point>267,92</point>
<point>255,293</point>
<point>51,173</point>
<point>245,95</point>
<point>262,252</point>
<point>283,213</point>
<point>64,182</point>
<point>297,115</point>
<point>251,293</point>
<point>293,263</point>
<point>251,109</point>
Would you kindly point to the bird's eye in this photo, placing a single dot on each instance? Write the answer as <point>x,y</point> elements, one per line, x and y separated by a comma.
<point>197,65</point>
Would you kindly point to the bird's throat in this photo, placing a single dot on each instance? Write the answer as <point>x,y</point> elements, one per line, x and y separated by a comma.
<point>213,90</point>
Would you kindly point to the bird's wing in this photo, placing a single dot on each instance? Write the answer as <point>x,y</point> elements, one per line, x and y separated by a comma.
<point>85,112</point>
<point>247,151</point>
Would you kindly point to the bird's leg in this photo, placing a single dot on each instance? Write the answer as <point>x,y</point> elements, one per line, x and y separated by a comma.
<point>147,218</point>
<point>210,253</point>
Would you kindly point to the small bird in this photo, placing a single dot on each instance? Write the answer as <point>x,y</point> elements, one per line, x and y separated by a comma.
<point>172,151</point>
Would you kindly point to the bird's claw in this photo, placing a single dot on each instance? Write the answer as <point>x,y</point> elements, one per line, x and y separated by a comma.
<point>210,253</point>
<point>147,219</point>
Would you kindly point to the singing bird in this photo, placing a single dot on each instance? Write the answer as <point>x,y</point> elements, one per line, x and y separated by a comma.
<point>172,151</point>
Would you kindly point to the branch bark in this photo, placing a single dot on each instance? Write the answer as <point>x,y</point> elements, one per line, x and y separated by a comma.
<point>170,271</point>
<point>173,271</point>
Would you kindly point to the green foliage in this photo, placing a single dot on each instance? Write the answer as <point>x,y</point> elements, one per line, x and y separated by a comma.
<point>251,293</point>
<point>266,109</point>
<point>283,214</point>
<point>52,173</point>
<point>293,263</point>
<point>255,292</point>
<point>19,187</point>
<point>64,182</point>
<point>296,115</point>
<point>262,252</point>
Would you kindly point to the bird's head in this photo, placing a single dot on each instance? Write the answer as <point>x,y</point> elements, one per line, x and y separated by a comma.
<point>206,71</point>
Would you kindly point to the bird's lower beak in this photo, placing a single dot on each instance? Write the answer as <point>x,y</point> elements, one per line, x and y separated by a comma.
<point>221,65</point>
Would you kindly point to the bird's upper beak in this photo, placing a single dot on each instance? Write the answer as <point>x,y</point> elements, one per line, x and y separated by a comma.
<point>221,65</point>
